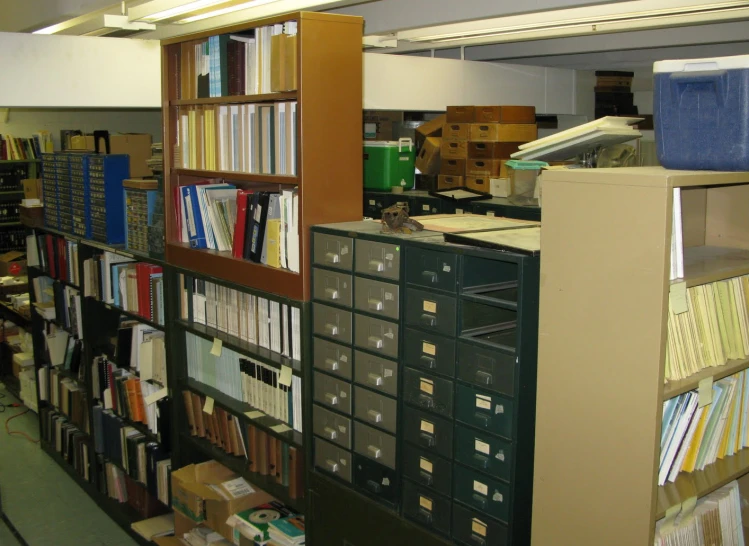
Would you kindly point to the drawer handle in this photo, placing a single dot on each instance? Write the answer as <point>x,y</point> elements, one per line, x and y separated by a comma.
<point>484,378</point>
<point>374,305</point>
<point>375,342</point>
<point>478,540</point>
<point>331,398</point>
<point>425,515</point>
<point>373,486</point>
<point>426,477</point>
<point>483,418</point>
<point>427,439</point>
<point>428,320</point>
<point>374,416</point>
<point>374,379</point>
<point>331,364</point>
<point>480,500</point>
<point>331,293</point>
<point>332,257</point>
<point>331,433</point>
<point>332,465</point>
<point>426,400</point>
<point>481,460</point>
<point>429,276</point>
<point>376,265</point>
<point>375,452</point>
<point>331,329</point>
<point>428,362</point>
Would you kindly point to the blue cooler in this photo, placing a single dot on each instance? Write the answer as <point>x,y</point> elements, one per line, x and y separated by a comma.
<point>701,113</point>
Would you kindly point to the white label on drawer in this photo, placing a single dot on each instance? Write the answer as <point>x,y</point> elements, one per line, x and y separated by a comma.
<point>483,402</point>
<point>426,385</point>
<point>482,447</point>
<point>388,373</point>
<point>479,487</point>
<point>430,306</point>
<point>343,461</point>
<point>343,358</point>
<point>499,409</point>
<point>426,465</point>
<point>428,348</point>
<point>344,250</point>
<point>385,481</point>
<point>490,213</point>
<point>500,456</point>
<point>446,268</point>
<point>425,503</point>
<point>371,201</point>
<point>389,257</point>
<point>343,394</point>
<point>478,527</point>
<point>427,427</point>
<point>342,429</point>
<point>424,207</point>
<point>458,211</point>
<point>497,497</point>
<point>389,296</point>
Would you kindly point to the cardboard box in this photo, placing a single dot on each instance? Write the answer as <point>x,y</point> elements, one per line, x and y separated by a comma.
<point>453,149</point>
<point>378,124</point>
<point>13,263</point>
<point>428,160</point>
<point>182,524</point>
<point>32,216</point>
<point>453,167</point>
<point>456,131</point>
<point>21,361</point>
<point>500,187</point>
<point>505,114</point>
<point>499,132</point>
<point>492,150</point>
<point>218,510</point>
<point>432,128</point>
<point>461,114</point>
<point>137,146</point>
<point>446,182</point>
<point>32,188</point>
<point>486,168</point>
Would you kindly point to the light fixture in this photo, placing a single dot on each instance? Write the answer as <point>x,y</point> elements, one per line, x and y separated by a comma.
<point>99,24</point>
<point>166,10</point>
<point>224,10</point>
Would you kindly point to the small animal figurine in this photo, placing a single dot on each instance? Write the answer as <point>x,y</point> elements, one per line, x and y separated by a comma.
<point>395,219</point>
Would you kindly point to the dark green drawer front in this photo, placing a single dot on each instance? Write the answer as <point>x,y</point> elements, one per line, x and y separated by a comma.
<point>378,336</point>
<point>428,392</point>
<point>484,452</point>
<point>480,492</point>
<point>486,368</point>
<point>430,311</point>
<point>432,433</point>
<point>376,479</point>
<point>332,357</point>
<point>428,469</point>
<point>378,259</point>
<point>334,251</point>
<point>332,392</point>
<point>331,426</point>
<point>432,268</point>
<point>332,323</point>
<point>484,410</point>
<point>471,528</point>
<point>377,297</point>
<point>429,352</point>
<point>377,373</point>
<point>423,206</point>
<point>332,286</point>
<point>425,507</point>
<point>333,459</point>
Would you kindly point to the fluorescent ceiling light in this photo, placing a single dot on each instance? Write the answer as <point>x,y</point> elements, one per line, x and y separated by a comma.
<point>224,11</point>
<point>161,10</point>
<point>98,25</point>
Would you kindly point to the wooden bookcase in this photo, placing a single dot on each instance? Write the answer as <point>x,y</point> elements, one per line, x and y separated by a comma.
<point>329,160</point>
<point>606,243</point>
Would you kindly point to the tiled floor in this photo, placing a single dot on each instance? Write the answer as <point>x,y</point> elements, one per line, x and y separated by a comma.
<point>40,499</point>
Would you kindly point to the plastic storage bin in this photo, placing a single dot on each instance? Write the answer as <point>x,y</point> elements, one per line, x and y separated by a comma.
<point>701,113</point>
<point>524,181</point>
<point>388,164</point>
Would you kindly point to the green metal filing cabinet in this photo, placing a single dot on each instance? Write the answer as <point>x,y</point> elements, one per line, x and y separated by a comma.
<point>424,381</point>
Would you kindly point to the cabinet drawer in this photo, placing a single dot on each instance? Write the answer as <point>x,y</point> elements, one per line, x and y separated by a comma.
<point>427,508</point>
<point>429,352</point>
<point>428,392</point>
<point>432,268</point>
<point>331,426</point>
<point>471,528</point>
<point>333,459</point>
<point>378,259</point>
<point>374,444</point>
<point>376,480</point>
<point>332,287</point>
<point>430,311</point>
<point>428,469</point>
<point>484,452</point>
<point>333,392</point>
<point>331,322</point>
<point>375,409</point>
<point>484,410</point>
<point>481,492</point>
<point>332,358</point>
<point>376,373</point>
<point>430,432</point>
<point>334,251</point>
<point>485,368</point>
<point>377,297</point>
<point>378,336</point>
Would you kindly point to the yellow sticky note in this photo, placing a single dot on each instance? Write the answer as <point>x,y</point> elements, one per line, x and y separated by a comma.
<point>285,378</point>
<point>677,297</point>
<point>280,428</point>
<point>208,407</point>
<point>254,414</point>
<point>217,346</point>
<point>705,391</point>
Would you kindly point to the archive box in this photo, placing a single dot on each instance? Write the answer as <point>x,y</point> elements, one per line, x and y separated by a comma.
<point>389,164</point>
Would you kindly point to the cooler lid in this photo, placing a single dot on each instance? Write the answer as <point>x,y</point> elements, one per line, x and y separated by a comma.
<point>402,143</point>
<point>701,65</point>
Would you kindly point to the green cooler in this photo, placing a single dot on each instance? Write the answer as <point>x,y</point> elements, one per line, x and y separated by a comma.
<point>388,164</point>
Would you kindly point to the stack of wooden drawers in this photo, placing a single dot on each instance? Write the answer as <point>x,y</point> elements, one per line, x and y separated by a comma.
<point>477,141</point>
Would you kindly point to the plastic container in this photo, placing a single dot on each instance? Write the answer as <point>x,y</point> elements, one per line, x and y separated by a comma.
<point>523,180</point>
<point>701,113</point>
<point>388,164</point>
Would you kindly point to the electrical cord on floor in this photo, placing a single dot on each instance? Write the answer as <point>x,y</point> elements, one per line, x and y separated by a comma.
<point>18,432</point>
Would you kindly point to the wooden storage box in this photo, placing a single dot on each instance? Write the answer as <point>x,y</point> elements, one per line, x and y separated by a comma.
<point>428,159</point>
<point>461,114</point>
<point>453,149</point>
<point>446,182</point>
<point>492,150</point>
<point>453,167</point>
<point>456,131</point>
<point>489,168</point>
<point>505,114</point>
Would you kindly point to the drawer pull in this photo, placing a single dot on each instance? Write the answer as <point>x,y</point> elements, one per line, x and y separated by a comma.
<point>481,460</point>
<point>429,276</point>
<point>374,416</point>
<point>375,342</point>
<point>374,305</point>
<point>375,452</point>
<point>373,486</point>
<point>332,465</point>
<point>428,320</point>
<point>428,362</point>
<point>331,433</point>
<point>425,515</point>
<point>331,364</point>
<point>374,379</point>
<point>331,398</point>
<point>376,265</point>
<point>483,418</point>
<point>332,257</point>
<point>478,540</point>
<point>427,439</point>
<point>426,478</point>
<point>331,293</point>
<point>484,378</point>
<point>480,500</point>
<point>426,400</point>
<point>331,329</point>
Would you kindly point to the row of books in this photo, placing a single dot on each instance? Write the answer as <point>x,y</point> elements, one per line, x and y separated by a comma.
<point>269,324</point>
<point>694,436</point>
<point>275,392</point>
<point>263,60</point>
<point>265,454</point>
<point>715,519</point>
<point>55,255</point>
<point>19,148</point>
<point>69,398</point>
<point>141,349</point>
<point>59,303</point>
<point>713,330</point>
<point>67,440</point>
<point>119,486</point>
<point>283,528</point>
<point>259,226</point>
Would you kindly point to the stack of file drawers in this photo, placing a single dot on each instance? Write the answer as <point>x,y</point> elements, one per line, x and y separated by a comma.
<point>64,192</point>
<point>79,194</point>
<point>463,373</point>
<point>49,191</point>
<point>107,205</point>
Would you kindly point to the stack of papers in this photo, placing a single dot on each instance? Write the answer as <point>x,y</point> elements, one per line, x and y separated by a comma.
<point>155,527</point>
